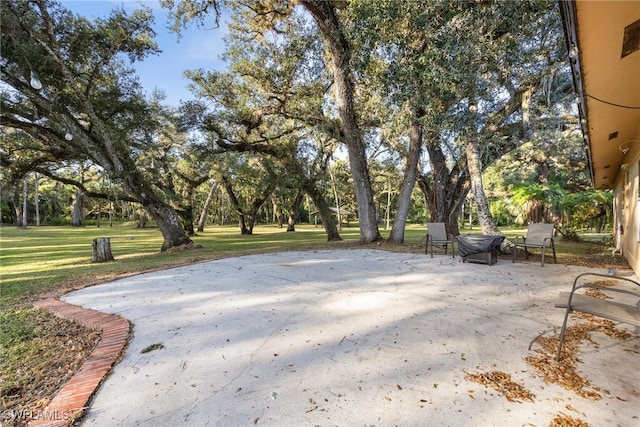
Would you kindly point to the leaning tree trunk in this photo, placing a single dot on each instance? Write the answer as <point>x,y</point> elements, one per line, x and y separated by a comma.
<point>335,198</point>
<point>236,205</point>
<point>408,180</point>
<point>205,208</point>
<point>328,219</point>
<point>169,224</point>
<point>165,216</point>
<point>326,18</point>
<point>475,172</point>
<point>257,204</point>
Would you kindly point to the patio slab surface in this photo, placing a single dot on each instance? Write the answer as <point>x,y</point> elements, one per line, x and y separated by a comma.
<point>348,337</point>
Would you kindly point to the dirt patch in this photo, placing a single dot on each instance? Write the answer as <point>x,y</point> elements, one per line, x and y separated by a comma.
<point>39,353</point>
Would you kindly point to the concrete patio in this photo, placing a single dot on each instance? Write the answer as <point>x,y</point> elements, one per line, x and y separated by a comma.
<point>348,337</point>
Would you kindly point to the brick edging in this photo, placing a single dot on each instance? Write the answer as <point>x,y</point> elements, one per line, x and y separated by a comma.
<point>71,401</point>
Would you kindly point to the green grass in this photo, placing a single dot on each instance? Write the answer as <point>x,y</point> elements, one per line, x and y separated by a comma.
<point>37,260</point>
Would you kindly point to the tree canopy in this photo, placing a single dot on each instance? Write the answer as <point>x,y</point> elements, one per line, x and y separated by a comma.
<point>70,97</point>
<point>432,96</point>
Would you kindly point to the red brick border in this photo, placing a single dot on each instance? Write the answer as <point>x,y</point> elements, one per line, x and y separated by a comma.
<point>71,401</point>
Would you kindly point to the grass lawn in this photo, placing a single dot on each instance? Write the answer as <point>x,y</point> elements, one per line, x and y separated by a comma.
<point>37,260</point>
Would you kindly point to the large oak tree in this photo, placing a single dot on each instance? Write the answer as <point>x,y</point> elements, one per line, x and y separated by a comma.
<point>89,104</point>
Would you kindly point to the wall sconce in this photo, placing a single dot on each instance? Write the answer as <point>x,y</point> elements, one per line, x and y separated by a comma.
<point>626,149</point>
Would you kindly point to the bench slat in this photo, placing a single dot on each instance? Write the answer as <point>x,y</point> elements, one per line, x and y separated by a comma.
<point>607,309</point>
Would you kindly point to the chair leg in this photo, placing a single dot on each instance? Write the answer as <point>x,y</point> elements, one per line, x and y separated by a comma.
<point>513,253</point>
<point>555,260</point>
<point>542,262</point>
<point>562,331</point>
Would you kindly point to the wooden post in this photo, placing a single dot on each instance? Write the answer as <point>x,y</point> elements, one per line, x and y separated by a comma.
<point>102,250</point>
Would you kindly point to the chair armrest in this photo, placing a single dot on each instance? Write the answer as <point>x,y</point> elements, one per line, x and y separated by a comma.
<point>515,240</point>
<point>577,286</point>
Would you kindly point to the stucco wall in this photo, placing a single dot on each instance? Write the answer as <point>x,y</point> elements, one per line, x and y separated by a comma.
<point>627,211</point>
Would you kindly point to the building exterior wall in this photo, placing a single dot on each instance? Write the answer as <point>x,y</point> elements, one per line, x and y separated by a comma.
<point>627,212</point>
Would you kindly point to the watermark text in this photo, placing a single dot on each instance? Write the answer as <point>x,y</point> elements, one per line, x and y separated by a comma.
<point>37,415</point>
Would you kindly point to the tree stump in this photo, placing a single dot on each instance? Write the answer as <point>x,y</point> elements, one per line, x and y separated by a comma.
<point>102,250</point>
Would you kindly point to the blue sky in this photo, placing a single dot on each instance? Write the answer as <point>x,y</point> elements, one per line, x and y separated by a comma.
<point>198,48</point>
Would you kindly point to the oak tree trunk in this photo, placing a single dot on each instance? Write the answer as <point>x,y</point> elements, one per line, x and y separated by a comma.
<point>444,190</point>
<point>18,208</point>
<point>160,211</point>
<point>169,224</point>
<point>328,220</point>
<point>36,199</point>
<point>257,204</point>
<point>78,209</point>
<point>236,205</point>
<point>25,205</point>
<point>277,212</point>
<point>293,210</point>
<point>408,180</point>
<point>475,172</point>
<point>339,50</point>
<point>205,208</point>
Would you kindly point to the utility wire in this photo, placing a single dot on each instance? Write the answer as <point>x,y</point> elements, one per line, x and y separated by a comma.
<point>614,104</point>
